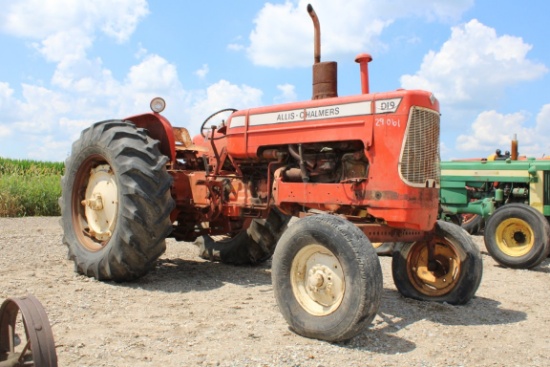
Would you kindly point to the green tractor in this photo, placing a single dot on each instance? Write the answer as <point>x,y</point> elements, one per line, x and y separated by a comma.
<point>508,197</point>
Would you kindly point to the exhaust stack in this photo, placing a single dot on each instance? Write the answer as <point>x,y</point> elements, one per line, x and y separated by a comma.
<point>325,74</point>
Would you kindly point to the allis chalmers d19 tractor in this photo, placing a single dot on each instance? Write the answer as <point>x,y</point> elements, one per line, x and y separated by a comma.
<point>354,169</point>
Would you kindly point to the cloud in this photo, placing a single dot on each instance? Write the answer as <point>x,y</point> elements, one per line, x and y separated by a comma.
<point>492,130</point>
<point>220,95</point>
<point>283,33</point>
<point>288,93</point>
<point>66,28</point>
<point>5,131</point>
<point>39,19</point>
<point>201,73</point>
<point>475,66</point>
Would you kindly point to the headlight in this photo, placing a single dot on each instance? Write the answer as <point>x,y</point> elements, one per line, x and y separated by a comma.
<point>157,104</point>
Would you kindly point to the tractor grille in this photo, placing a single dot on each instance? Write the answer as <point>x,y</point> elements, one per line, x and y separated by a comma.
<point>420,155</point>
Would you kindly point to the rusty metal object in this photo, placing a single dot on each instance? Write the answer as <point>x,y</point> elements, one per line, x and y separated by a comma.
<point>325,74</point>
<point>39,347</point>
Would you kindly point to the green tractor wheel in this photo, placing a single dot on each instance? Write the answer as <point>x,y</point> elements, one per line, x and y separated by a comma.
<point>517,236</point>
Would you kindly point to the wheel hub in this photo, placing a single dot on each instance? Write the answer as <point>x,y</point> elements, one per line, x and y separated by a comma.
<point>514,237</point>
<point>101,202</point>
<point>435,276</point>
<point>317,280</point>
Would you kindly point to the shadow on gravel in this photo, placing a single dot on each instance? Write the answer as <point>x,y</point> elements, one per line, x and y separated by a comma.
<point>184,275</point>
<point>398,312</point>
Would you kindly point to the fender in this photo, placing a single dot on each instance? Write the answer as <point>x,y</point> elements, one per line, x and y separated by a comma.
<point>159,128</point>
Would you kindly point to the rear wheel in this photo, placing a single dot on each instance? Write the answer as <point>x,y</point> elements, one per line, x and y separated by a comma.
<point>517,236</point>
<point>326,278</point>
<point>115,202</point>
<point>473,223</point>
<point>252,246</point>
<point>451,273</point>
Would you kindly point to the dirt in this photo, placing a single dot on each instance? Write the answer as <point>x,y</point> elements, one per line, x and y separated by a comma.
<point>190,312</point>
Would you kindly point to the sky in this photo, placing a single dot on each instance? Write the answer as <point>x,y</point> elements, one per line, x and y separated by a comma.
<point>66,64</point>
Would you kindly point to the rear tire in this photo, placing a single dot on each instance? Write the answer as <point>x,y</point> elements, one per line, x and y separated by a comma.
<point>326,278</point>
<point>453,276</point>
<point>115,202</point>
<point>252,246</point>
<point>473,223</point>
<point>517,236</point>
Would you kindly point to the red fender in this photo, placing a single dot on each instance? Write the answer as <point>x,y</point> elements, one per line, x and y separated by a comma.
<point>159,128</point>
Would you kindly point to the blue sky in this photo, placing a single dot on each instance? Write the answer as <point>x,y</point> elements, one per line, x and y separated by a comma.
<point>66,64</point>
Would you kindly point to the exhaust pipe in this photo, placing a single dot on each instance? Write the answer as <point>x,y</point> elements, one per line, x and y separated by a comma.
<point>325,78</point>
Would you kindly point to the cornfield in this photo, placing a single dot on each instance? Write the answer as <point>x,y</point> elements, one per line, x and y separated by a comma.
<point>29,188</point>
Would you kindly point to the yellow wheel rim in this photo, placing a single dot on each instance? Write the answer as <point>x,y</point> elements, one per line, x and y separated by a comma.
<point>514,237</point>
<point>317,280</point>
<point>94,203</point>
<point>441,276</point>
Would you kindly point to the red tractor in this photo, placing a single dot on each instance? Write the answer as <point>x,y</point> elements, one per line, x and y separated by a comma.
<point>354,170</point>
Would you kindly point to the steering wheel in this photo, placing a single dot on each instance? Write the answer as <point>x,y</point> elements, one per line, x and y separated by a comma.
<point>204,126</point>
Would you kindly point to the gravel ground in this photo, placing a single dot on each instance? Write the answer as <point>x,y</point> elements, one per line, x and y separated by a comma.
<point>190,312</point>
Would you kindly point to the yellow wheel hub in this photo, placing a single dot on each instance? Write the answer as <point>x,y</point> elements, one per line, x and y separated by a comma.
<point>438,277</point>
<point>101,202</point>
<point>317,280</point>
<point>514,237</point>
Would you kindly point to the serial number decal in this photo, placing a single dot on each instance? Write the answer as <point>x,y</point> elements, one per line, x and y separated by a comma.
<point>386,105</point>
<point>387,121</point>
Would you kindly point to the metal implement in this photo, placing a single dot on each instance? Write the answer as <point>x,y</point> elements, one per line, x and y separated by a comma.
<point>26,337</point>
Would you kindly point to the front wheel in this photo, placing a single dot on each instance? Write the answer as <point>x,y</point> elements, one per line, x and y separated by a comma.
<point>326,278</point>
<point>115,203</point>
<point>447,269</point>
<point>517,236</point>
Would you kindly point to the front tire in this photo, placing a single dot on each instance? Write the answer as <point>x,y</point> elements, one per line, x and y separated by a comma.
<point>517,236</point>
<point>115,202</point>
<point>327,278</point>
<point>452,275</point>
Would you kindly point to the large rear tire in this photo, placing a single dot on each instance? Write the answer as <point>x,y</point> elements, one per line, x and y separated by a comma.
<point>452,275</point>
<point>115,203</point>
<point>327,278</point>
<point>517,236</point>
<point>252,246</point>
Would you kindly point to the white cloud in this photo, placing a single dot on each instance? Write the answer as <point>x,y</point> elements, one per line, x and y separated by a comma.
<point>543,122</point>
<point>492,130</point>
<point>219,96</point>
<point>283,34</point>
<point>288,93</point>
<point>201,73</point>
<point>235,47</point>
<point>152,74</point>
<point>5,131</point>
<point>39,19</point>
<point>6,93</point>
<point>474,66</point>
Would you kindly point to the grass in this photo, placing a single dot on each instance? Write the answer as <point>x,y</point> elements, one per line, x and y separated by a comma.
<point>29,188</point>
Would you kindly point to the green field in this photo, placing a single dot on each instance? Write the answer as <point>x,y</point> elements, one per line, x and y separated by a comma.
<point>29,188</point>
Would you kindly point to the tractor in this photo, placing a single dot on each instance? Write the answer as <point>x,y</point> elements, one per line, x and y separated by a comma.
<point>348,171</point>
<point>507,196</point>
